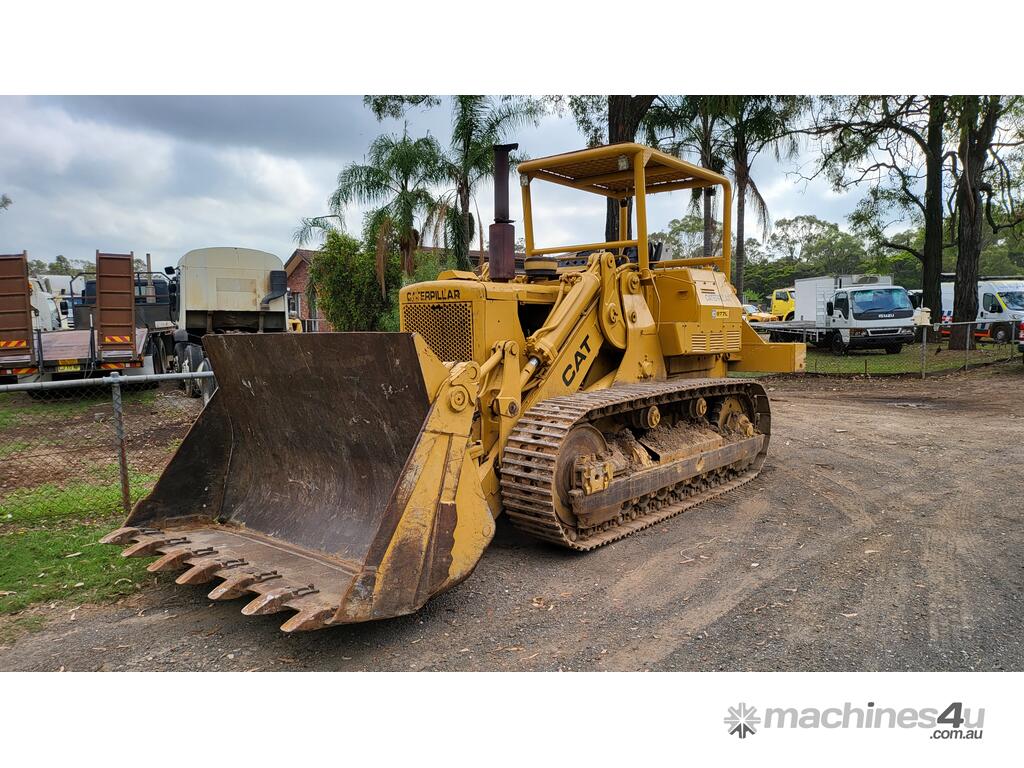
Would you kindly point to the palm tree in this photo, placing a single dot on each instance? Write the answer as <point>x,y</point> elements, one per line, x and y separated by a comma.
<point>478,123</point>
<point>753,123</point>
<point>398,180</point>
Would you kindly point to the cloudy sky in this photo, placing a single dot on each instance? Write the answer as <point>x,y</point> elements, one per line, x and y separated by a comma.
<point>168,174</point>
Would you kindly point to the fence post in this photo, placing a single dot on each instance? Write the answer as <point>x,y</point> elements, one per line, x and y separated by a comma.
<point>122,454</point>
<point>968,334</point>
<point>924,349</point>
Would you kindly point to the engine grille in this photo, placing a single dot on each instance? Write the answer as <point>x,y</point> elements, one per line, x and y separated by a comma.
<point>447,328</point>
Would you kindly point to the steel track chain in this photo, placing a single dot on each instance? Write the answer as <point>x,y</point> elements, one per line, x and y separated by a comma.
<point>531,456</point>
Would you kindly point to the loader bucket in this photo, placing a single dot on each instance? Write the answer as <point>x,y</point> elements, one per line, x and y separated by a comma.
<point>328,475</point>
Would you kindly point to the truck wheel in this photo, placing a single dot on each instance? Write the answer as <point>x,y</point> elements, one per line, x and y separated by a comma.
<point>159,356</point>
<point>894,349</point>
<point>193,360</point>
<point>206,386</point>
<point>837,345</point>
<point>789,316</point>
<point>1000,334</point>
<point>179,361</point>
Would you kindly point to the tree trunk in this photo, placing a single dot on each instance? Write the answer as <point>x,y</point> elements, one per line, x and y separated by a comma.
<point>975,141</point>
<point>407,248</point>
<point>931,261</point>
<point>625,113</point>
<point>965,292</point>
<point>465,242</point>
<point>741,250</point>
<point>709,223</point>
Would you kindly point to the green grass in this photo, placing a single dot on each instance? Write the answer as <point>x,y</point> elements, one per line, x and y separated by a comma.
<point>64,515</point>
<point>36,567</point>
<point>73,501</point>
<point>15,446</point>
<point>17,407</point>
<point>875,362</point>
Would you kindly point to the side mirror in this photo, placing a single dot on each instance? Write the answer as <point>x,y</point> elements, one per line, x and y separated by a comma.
<point>829,308</point>
<point>168,270</point>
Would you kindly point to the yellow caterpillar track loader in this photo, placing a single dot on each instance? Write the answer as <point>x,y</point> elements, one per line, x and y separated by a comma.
<point>352,476</point>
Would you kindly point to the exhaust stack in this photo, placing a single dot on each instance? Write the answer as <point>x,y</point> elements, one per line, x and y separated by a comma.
<point>501,255</point>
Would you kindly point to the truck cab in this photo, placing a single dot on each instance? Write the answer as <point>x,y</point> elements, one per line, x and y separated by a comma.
<point>783,303</point>
<point>870,317</point>
<point>1000,307</point>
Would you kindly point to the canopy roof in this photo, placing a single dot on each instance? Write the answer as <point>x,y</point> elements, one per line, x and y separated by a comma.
<point>610,170</point>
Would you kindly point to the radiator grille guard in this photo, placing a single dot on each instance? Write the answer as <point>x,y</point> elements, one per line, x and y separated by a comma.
<point>446,327</point>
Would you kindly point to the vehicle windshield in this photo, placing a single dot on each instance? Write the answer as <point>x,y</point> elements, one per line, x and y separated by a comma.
<point>879,301</point>
<point>750,309</point>
<point>1013,299</point>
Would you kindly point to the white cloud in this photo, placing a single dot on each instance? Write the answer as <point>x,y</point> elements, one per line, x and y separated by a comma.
<point>43,141</point>
<point>162,175</point>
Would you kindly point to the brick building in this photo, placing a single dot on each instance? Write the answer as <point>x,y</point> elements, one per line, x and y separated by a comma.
<point>301,299</point>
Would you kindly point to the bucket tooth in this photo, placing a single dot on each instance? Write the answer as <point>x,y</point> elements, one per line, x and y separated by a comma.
<point>171,561</point>
<point>201,572</point>
<point>274,600</point>
<point>232,587</point>
<point>150,546</point>
<point>238,585</point>
<point>122,535</point>
<point>308,620</point>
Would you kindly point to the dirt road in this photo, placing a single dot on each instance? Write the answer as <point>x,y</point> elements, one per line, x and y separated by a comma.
<point>885,533</point>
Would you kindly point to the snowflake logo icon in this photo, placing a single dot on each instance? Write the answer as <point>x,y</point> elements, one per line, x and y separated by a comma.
<point>742,720</point>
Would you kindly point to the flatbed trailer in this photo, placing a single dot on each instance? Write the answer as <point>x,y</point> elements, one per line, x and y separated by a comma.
<point>115,343</point>
<point>887,337</point>
<point>797,330</point>
<point>73,354</point>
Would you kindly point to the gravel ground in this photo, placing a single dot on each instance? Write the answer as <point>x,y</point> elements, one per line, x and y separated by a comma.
<point>883,534</point>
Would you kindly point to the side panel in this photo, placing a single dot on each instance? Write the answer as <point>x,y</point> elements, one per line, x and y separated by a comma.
<point>15,311</point>
<point>115,304</point>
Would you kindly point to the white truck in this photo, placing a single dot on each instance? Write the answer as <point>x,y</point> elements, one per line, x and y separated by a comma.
<point>47,315</point>
<point>223,290</point>
<point>844,312</point>
<point>1000,307</point>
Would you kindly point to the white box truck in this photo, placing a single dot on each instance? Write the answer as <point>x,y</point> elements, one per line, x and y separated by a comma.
<point>223,290</point>
<point>1000,307</point>
<point>844,312</point>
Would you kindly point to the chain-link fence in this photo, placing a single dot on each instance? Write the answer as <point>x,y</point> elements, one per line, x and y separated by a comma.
<point>90,449</point>
<point>939,349</point>
<point>86,450</point>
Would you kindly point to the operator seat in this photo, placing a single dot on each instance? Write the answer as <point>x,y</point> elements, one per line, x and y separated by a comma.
<point>552,266</point>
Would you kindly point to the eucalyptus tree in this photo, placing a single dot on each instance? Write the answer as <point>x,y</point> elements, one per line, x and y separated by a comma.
<point>397,181</point>
<point>897,146</point>
<point>978,169</point>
